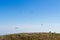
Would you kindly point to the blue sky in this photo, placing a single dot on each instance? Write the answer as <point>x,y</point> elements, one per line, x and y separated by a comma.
<point>29,15</point>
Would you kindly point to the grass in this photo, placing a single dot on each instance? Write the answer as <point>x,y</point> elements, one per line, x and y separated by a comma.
<point>31,36</point>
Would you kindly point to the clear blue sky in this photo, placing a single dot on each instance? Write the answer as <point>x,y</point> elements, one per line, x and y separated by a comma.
<point>29,12</point>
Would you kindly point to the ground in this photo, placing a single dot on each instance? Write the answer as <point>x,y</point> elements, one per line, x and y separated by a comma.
<point>31,36</point>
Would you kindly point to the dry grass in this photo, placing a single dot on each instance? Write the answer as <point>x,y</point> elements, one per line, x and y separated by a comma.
<point>31,36</point>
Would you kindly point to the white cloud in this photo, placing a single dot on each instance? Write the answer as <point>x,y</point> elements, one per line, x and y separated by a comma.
<point>7,29</point>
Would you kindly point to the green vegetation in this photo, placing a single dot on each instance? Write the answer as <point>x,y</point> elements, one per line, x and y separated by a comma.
<point>31,36</point>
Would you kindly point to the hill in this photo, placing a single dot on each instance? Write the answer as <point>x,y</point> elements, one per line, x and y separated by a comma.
<point>31,36</point>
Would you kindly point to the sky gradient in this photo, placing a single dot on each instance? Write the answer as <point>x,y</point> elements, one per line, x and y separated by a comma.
<point>28,15</point>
